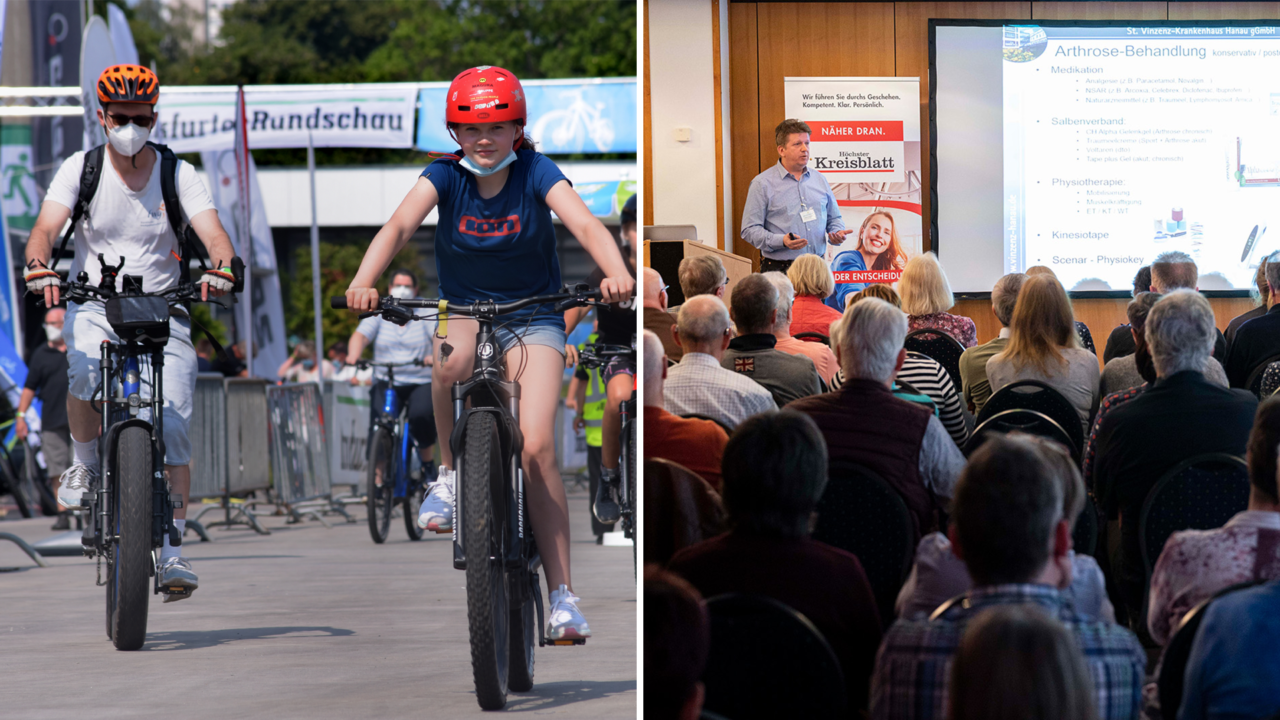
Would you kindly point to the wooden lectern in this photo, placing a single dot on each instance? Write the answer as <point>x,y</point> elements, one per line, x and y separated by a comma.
<point>665,256</point>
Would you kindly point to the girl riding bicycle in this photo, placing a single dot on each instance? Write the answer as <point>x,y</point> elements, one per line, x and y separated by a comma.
<point>495,240</point>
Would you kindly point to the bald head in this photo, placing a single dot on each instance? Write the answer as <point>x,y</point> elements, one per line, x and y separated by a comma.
<point>655,368</point>
<point>654,295</point>
<point>703,325</point>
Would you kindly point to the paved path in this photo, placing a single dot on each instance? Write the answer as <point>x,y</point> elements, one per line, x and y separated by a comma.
<point>308,622</point>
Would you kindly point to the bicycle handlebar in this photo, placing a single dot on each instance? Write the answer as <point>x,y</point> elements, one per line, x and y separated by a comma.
<point>579,295</point>
<point>364,364</point>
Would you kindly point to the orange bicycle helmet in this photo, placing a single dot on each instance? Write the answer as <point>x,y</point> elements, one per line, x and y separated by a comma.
<point>485,94</point>
<point>128,83</point>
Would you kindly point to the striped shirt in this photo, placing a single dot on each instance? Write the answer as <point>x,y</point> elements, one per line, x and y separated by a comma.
<point>698,385</point>
<point>929,377</point>
<point>395,344</point>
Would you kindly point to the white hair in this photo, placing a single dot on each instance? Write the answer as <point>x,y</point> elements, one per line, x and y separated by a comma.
<point>1180,332</point>
<point>654,360</point>
<point>870,337</point>
<point>786,296</point>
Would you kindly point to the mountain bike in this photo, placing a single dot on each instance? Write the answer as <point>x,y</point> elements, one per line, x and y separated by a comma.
<point>391,454</point>
<point>130,512</point>
<point>490,541</point>
<point>597,356</point>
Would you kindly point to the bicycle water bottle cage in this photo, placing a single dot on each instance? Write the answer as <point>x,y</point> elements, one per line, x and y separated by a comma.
<point>397,314</point>
<point>140,320</point>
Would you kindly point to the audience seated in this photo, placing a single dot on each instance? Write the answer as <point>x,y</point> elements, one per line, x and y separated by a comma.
<point>1015,662</point>
<point>1043,346</point>
<point>1195,564</point>
<point>1234,668</point>
<point>680,510</point>
<point>1180,416</point>
<point>876,290</point>
<point>1082,330</point>
<point>775,469</point>
<point>812,280</point>
<point>823,359</point>
<point>1120,342</point>
<point>1008,527</point>
<point>677,640</point>
<point>1258,339</point>
<point>1264,302</point>
<point>701,275</point>
<point>973,363</point>
<point>938,575</point>
<point>1170,271</point>
<point>656,317</point>
<point>695,444</point>
<point>1136,369</point>
<point>864,423</point>
<point>698,385</point>
<point>754,310</point>
<point>926,298</point>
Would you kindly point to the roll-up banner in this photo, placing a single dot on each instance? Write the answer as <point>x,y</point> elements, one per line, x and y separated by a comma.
<point>865,141</point>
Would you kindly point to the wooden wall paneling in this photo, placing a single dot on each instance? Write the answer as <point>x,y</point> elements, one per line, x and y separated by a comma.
<point>648,198</point>
<point>744,109</point>
<point>717,88</point>
<point>1099,10</point>
<point>1224,10</point>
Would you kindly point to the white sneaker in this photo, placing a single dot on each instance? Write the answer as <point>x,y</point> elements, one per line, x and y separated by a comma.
<point>74,483</point>
<point>565,621</point>
<point>177,579</point>
<point>436,514</point>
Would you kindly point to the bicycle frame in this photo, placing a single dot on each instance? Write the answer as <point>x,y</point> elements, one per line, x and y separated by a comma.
<point>398,427</point>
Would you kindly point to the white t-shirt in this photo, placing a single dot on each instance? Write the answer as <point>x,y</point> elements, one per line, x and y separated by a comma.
<point>128,224</point>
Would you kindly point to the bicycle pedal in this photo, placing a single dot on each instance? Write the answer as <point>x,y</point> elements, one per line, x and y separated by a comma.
<point>173,593</point>
<point>573,641</point>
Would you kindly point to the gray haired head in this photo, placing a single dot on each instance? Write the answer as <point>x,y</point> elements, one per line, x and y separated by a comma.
<point>1180,332</point>
<point>870,339</point>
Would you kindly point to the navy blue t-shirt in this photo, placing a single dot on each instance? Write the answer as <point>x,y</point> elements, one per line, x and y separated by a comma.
<point>503,248</point>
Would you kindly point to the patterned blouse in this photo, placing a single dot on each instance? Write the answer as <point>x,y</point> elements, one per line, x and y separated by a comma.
<point>957,326</point>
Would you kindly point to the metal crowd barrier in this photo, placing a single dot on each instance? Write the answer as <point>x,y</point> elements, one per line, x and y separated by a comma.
<point>346,424</point>
<point>229,447</point>
<point>299,459</point>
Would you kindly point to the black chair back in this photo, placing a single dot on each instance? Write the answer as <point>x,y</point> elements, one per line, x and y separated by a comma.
<point>1173,663</point>
<point>1270,382</point>
<point>767,660</point>
<point>862,514</point>
<point>813,337</point>
<point>1019,420</point>
<point>1084,536</point>
<point>1257,374</point>
<point>1038,396</point>
<point>1200,493</point>
<point>680,509</point>
<point>939,346</point>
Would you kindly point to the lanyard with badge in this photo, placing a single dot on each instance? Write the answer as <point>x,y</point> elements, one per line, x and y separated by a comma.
<point>807,214</point>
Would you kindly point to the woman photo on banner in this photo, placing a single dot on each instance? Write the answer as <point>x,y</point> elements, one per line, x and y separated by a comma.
<point>878,248</point>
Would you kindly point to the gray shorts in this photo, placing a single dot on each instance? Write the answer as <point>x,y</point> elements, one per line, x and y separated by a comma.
<point>86,328</point>
<point>56,446</point>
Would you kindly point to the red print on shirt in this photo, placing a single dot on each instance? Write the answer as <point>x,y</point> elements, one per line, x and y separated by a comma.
<point>495,227</point>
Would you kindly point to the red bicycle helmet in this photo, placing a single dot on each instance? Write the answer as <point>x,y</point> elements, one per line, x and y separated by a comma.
<point>128,83</point>
<point>485,94</point>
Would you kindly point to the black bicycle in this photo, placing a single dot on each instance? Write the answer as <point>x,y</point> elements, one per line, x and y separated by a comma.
<point>490,541</point>
<point>597,356</point>
<point>391,452</point>
<point>130,512</point>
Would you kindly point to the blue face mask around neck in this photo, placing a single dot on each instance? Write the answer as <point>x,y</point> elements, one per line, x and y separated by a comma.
<point>478,171</point>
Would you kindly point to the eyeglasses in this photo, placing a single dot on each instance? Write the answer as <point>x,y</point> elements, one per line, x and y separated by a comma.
<point>142,121</point>
<point>725,283</point>
<point>663,288</point>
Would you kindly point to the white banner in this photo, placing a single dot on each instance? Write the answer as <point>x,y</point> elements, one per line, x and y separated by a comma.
<point>268,304</point>
<point>347,426</point>
<point>279,116</point>
<point>866,143</point>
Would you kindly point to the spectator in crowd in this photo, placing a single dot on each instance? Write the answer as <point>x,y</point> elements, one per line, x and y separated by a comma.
<point>695,444</point>
<point>1015,662</point>
<point>811,278</point>
<point>821,355</point>
<point>345,371</point>
<point>698,385</point>
<point>973,362</point>
<point>899,390</point>
<point>1169,271</point>
<point>926,298</point>
<point>1195,564</point>
<point>1258,340</point>
<point>1136,369</point>
<point>775,469</point>
<point>1007,526</point>
<point>1082,330</point>
<point>864,423</point>
<point>656,317</point>
<point>677,640</point>
<point>1182,415</point>
<point>1263,300</point>
<point>1043,346</point>
<point>1120,342</point>
<point>876,290</point>
<point>878,248</point>
<point>938,575</point>
<point>300,366</point>
<point>236,364</point>
<point>790,209</point>
<point>47,379</point>
<point>1234,669</point>
<point>701,275</point>
<point>752,354</point>
<point>587,397</point>
<point>204,355</point>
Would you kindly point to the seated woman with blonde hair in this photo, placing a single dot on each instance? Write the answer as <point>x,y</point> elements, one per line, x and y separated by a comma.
<point>1043,346</point>
<point>1082,330</point>
<point>926,298</point>
<point>812,280</point>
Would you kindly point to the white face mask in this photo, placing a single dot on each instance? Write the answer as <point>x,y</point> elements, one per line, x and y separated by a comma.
<point>129,139</point>
<point>401,292</point>
<point>53,332</point>
<point>478,171</point>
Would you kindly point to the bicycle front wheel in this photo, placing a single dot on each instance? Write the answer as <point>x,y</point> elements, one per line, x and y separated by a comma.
<point>488,614</point>
<point>629,524</point>
<point>132,499</point>
<point>381,485</point>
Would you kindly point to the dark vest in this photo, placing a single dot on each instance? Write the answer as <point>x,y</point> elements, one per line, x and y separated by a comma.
<point>865,424</point>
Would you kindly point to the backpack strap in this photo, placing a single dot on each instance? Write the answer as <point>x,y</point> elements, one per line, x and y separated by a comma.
<point>189,243</point>
<point>90,176</point>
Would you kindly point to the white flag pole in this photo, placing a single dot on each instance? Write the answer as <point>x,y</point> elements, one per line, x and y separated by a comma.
<point>315,258</point>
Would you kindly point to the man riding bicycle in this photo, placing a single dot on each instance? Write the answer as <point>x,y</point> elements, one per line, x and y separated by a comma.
<point>126,218</point>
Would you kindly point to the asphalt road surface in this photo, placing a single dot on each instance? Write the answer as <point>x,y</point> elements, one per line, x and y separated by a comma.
<point>308,622</point>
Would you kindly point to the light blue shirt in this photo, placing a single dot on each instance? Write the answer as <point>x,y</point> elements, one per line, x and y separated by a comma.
<point>775,203</point>
<point>395,344</point>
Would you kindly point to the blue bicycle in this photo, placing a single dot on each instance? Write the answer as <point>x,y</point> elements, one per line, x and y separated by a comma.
<point>391,454</point>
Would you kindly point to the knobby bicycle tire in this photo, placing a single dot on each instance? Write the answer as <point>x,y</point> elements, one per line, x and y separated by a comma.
<point>413,506</point>
<point>523,632</point>
<point>488,614</point>
<point>630,524</point>
<point>133,498</point>
<point>380,497</point>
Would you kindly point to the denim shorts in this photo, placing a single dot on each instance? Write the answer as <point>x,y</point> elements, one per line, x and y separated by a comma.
<point>548,335</point>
